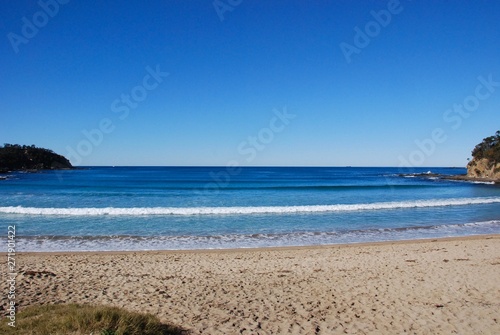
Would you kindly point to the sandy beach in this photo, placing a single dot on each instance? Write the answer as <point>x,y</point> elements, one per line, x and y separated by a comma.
<point>446,286</point>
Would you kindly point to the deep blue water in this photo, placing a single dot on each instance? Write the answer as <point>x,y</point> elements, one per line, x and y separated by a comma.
<point>145,208</point>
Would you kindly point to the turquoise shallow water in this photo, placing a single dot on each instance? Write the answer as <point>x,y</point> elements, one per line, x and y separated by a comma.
<point>159,208</point>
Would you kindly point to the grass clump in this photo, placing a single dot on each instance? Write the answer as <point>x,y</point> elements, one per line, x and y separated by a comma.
<point>76,319</point>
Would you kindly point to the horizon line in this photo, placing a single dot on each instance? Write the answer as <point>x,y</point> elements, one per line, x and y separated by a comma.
<point>279,166</point>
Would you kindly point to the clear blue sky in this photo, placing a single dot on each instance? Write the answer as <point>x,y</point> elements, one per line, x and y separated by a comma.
<point>357,100</point>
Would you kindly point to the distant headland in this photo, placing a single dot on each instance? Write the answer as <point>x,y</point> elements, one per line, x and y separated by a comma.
<point>483,167</point>
<point>14,157</point>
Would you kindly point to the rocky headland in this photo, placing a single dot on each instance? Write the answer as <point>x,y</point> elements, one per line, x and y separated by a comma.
<point>485,163</point>
<point>483,167</point>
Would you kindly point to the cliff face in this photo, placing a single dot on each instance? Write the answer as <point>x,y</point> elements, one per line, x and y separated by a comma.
<point>483,168</point>
<point>485,161</point>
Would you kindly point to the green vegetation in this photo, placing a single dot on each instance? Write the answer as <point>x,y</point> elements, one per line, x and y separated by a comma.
<point>85,319</point>
<point>489,148</point>
<point>14,157</point>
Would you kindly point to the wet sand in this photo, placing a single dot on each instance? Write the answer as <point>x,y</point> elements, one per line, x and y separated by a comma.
<point>444,286</point>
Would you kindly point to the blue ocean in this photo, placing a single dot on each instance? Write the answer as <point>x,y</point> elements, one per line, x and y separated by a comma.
<point>172,208</point>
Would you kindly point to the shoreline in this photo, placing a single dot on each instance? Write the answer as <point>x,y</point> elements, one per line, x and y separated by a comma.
<point>458,177</point>
<point>473,179</point>
<point>435,286</point>
<point>260,249</point>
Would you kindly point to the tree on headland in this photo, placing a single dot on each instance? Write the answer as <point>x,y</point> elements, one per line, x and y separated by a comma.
<point>489,148</point>
<point>15,157</point>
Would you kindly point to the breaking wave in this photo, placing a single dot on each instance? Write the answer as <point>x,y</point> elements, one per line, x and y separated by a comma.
<point>183,211</point>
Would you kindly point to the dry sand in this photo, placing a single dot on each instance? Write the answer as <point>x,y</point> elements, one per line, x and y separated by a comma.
<point>447,286</point>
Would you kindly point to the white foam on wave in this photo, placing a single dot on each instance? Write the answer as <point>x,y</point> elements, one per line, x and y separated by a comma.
<point>232,241</point>
<point>140,211</point>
